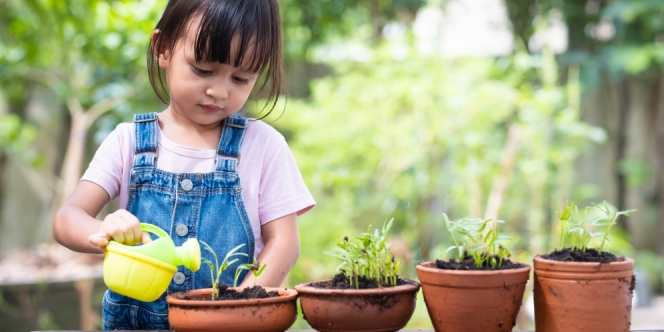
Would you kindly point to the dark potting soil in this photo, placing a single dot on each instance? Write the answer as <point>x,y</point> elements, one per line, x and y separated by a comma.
<point>469,264</point>
<point>228,293</point>
<point>255,292</point>
<point>577,255</point>
<point>340,281</point>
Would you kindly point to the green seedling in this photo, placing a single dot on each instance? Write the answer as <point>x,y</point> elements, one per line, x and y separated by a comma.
<point>474,237</point>
<point>255,268</point>
<point>575,227</point>
<point>368,257</point>
<point>220,268</point>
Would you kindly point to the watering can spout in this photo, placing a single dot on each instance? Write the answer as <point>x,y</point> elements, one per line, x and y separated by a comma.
<point>189,255</point>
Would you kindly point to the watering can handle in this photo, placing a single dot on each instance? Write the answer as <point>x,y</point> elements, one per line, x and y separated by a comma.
<point>154,230</point>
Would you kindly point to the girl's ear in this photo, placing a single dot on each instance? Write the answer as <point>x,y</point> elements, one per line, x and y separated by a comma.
<point>159,50</point>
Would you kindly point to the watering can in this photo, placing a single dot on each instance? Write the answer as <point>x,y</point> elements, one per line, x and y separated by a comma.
<point>144,272</point>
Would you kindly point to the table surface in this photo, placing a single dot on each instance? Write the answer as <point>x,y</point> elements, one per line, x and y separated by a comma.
<point>314,331</point>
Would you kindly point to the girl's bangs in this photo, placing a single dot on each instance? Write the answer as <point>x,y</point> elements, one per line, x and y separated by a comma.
<point>235,26</point>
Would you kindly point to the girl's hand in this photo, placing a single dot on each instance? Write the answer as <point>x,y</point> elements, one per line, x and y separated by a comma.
<point>122,227</point>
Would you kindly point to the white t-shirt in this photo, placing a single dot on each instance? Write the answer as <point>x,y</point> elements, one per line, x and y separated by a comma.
<point>272,186</point>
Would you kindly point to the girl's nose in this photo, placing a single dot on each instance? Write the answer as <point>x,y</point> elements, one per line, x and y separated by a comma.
<point>218,91</point>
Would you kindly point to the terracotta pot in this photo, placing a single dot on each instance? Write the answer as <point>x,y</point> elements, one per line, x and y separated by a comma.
<point>377,309</point>
<point>472,300</point>
<point>573,296</point>
<point>269,314</point>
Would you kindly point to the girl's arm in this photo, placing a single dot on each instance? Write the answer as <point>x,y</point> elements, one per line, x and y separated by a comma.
<point>282,248</point>
<point>76,228</point>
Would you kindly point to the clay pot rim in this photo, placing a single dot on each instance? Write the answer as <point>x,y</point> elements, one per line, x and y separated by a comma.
<point>427,266</point>
<point>285,295</point>
<point>549,264</point>
<point>539,258</point>
<point>306,288</point>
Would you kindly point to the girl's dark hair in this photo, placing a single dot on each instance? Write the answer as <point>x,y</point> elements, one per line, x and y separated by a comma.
<point>251,21</point>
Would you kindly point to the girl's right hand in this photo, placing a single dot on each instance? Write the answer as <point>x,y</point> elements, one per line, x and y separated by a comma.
<point>121,226</point>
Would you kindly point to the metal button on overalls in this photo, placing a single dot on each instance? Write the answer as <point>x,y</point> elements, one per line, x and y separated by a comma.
<point>181,229</point>
<point>186,184</point>
<point>178,278</point>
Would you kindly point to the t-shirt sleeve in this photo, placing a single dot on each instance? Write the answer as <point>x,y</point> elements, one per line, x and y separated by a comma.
<point>282,190</point>
<point>106,166</point>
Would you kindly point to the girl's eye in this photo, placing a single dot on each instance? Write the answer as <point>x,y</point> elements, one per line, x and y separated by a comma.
<point>201,71</point>
<point>240,80</point>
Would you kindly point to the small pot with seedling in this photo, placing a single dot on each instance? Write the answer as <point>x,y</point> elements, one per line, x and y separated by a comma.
<point>478,290</point>
<point>366,293</point>
<point>578,288</point>
<point>225,308</point>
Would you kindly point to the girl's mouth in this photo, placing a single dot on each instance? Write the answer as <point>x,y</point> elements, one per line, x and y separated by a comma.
<point>210,108</point>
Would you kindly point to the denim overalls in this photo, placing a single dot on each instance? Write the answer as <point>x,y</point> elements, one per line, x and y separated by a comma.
<point>207,206</point>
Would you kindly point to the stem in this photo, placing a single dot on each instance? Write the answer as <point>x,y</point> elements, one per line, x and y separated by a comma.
<point>601,247</point>
<point>562,233</point>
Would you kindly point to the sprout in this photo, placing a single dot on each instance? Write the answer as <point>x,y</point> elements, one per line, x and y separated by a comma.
<point>255,268</point>
<point>369,257</point>
<point>472,238</point>
<point>220,268</point>
<point>575,226</point>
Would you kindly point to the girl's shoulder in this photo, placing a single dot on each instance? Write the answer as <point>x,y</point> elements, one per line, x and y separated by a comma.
<point>261,130</point>
<point>125,129</point>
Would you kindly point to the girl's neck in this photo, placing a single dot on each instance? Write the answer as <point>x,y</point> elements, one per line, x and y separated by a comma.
<point>183,131</point>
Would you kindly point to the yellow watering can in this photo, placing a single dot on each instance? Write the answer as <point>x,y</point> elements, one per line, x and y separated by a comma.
<point>144,272</point>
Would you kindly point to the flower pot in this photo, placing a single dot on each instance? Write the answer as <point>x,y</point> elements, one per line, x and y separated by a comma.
<point>375,309</point>
<point>472,300</point>
<point>198,313</point>
<point>571,296</point>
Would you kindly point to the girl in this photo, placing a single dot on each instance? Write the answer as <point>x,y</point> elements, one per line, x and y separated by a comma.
<point>197,169</point>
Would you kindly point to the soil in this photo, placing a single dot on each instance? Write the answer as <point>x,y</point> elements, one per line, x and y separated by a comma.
<point>469,264</point>
<point>228,293</point>
<point>576,255</point>
<point>340,281</point>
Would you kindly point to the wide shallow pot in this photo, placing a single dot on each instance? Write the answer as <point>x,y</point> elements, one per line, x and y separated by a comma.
<point>377,309</point>
<point>487,300</point>
<point>572,296</point>
<point>197,314</point>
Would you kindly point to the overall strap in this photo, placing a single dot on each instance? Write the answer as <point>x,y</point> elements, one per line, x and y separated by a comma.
<point>229,145</point>
<point>145,127</point>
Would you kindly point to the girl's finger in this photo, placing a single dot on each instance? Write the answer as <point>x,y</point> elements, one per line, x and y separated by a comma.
<point>138,233</point>
<point>129,227</point>
<point>115,231</point>
<point>99,239</point>
<point>145,238</point>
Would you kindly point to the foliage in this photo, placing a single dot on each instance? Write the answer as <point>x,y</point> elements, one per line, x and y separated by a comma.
<point>575,226</point>
<point>313,23</point>
<point>632,47</point>
<point>220,268</point>
<point>480,241</point>
<point>254,267</point>
<point>96,49</point>
<point>16,137</point>
<point>429,136</point>
<point>369,257</point>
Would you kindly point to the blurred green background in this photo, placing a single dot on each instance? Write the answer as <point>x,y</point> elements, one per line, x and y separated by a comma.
<point>401,109</point>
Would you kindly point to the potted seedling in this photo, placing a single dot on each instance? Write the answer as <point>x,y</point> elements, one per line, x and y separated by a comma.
<point>579,288</point>
<point>365,294</point>
<point>226,308</point>
<point>479,289</point>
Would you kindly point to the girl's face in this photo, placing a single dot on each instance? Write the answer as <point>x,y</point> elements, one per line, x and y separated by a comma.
<point>204,92</point>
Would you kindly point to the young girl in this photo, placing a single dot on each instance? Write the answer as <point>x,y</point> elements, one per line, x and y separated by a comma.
<point>197,169</point>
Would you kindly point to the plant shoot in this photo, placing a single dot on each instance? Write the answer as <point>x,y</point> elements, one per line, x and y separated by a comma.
<point>220,268</point>
<point>576,227</point>
<point>474,237</point>
<point>255,268</point>
<point>368,257</point>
